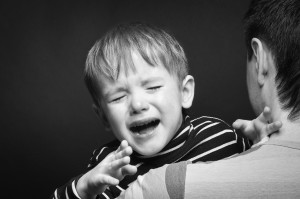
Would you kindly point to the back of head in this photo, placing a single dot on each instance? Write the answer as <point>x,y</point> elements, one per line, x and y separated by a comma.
<point>277,24</point>
<point>113,52</point>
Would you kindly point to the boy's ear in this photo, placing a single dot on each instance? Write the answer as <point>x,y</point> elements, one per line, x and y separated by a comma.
<point>260,56</point>
<point>98,110</point>
<point>187,91</point>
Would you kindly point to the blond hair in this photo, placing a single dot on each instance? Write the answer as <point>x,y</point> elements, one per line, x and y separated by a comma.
<point>114,51</point>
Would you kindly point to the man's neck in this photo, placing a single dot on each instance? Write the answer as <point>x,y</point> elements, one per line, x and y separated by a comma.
<point>290,130</point>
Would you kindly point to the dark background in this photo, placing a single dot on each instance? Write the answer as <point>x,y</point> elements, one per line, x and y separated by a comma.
<point>48,127</point>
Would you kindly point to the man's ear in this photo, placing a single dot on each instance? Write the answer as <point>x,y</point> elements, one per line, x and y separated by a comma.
<point>260,57</point>
<point>187,91</point>
<point>98,110</point>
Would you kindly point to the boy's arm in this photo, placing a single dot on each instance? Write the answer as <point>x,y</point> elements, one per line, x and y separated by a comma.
<point>258,129</point>
<point>70,190</point>
<point>67,191</point>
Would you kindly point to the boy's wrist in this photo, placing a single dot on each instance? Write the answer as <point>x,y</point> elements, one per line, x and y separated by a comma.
<point>82,189</point>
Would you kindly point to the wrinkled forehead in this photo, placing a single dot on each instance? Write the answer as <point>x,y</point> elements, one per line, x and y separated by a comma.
<point>126,62</point>
<point>137,71</point>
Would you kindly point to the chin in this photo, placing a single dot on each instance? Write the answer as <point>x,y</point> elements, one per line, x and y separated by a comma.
<point>150,150</point>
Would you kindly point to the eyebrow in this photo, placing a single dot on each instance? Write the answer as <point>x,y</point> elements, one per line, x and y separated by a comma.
<point>151,79</point>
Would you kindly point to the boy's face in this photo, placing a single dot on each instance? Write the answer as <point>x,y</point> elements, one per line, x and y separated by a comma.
<point>143,107</point>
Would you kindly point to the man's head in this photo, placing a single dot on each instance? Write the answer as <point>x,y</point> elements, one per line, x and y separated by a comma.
<point>138,78</point>
<point>272,30</point>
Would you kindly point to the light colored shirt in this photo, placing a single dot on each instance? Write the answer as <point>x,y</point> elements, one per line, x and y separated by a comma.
<point>271,170</point>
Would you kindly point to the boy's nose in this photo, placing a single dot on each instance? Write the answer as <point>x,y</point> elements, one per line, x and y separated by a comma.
<point>138,104</point>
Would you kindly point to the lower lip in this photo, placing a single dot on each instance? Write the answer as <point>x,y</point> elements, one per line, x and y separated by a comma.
<point>146,134</point>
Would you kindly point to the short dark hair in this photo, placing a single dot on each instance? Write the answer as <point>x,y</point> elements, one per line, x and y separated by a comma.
<point>113,52</point>
<point>277,24</point>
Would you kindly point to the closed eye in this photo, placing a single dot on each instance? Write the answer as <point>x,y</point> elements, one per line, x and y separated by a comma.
<point>117,99</point>
<point>154,88</point>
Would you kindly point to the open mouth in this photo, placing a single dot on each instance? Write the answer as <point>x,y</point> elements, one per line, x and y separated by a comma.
<point>143,127</point>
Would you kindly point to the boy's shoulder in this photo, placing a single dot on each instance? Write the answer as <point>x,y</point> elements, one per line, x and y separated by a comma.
<point>209,120</point>
<point>110,146</point>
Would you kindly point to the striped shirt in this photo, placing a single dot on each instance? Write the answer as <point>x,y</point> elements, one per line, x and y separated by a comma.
<point>200,139</point>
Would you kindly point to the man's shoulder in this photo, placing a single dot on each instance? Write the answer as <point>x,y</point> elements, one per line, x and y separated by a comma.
<point>167,182</point>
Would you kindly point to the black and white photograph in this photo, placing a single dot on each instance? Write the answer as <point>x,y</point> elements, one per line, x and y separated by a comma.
<point>150,99</point>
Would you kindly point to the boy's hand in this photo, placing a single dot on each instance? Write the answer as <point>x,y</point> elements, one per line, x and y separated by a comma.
<point>113,168</point>
<point>258,128</point>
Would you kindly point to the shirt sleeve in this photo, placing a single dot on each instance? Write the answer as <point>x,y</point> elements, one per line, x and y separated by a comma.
<point>67,191</point>
<point>165,182</point>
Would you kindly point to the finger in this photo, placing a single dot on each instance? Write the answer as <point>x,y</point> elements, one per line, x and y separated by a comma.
<point>265,116</point>
<point>110,157</point>
<point>273,127</point>
<point>125,152</point>
<point>239,124</point>
<point>120,148</point>
<point>116,155</point>
<point>123,144</point>
<point>108,180</point>
<point>129,170</point>
<point>116,164</point>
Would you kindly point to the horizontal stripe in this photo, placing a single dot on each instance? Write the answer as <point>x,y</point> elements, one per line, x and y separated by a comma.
<point>55,194</point>
<point>209,117</point>
<point>100,153</point>
<point>163,152</point>
<point>182,132</point>
<point>74,190</point>
<point>120,188</point>
<point>213,150</point>
<point>106,196</point>
<point>207,139</point>
<point>66,193</point>
<point>215,135</point>
<point>139,164</point>
<point>201,124</point>
<point>208,126</point>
